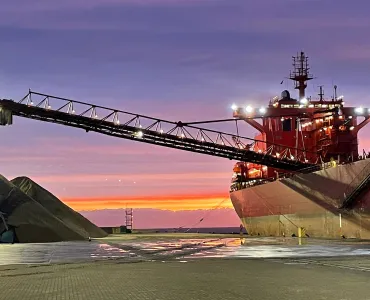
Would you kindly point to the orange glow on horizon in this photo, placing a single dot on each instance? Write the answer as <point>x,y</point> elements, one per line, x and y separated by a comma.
<point>174,203</point>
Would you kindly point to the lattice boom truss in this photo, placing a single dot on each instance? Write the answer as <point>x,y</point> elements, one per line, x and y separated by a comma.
<point>150,130</point>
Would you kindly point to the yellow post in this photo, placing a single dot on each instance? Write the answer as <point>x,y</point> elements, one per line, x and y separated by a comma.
<point>300,234</point>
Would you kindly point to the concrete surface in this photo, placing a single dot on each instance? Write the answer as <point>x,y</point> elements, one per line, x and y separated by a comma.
<point>201,279</point>
<point>169,268</point>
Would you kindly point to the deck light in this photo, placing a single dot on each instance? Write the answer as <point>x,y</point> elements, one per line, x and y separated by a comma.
<point>304,101</point>
<point>234,107</point>
<point>359,110</point>
<point>249,109</point>
<point>262,110</point>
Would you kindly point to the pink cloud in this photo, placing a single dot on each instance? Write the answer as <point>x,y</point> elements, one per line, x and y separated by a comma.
<point>156,218</point>
<point>98,178</point>
<point>358,52</point>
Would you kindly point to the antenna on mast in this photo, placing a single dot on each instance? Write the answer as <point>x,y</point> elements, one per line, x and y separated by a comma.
<point>300,74</point>
<point>321,94</point>
<point>335,92</point>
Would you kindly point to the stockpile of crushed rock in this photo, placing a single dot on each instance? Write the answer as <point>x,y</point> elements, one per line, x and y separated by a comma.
<point>31,214</point>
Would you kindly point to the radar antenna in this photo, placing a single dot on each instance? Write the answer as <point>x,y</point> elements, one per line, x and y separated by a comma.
<point>300,74</point>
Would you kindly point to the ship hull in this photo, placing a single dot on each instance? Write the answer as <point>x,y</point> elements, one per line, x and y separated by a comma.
<point>310,201</point>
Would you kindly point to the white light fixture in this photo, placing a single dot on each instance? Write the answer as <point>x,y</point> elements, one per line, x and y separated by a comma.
<point>304,101</point>
<point>262,110</point>
<point>140,134</point>
<point>234,107</point>
<point>249,109</point>
<point>352,127</point>
<point>359,110</point>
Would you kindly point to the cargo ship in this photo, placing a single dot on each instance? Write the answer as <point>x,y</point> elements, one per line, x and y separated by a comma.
<point>331,202</point>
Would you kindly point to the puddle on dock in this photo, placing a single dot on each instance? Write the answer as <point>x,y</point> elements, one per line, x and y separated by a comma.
<point>178,249</point>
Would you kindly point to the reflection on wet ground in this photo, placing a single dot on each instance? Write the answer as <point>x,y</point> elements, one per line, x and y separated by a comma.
<point>133,250</point>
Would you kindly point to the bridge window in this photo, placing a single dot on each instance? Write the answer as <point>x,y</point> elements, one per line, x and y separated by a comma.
<point>287,125</point>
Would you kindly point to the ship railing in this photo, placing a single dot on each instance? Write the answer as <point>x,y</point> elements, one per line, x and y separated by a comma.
<point>318,167</point>
<point>236,186</point>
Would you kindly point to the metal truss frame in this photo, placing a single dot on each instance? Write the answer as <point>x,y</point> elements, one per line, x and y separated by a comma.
<point>151,130</point>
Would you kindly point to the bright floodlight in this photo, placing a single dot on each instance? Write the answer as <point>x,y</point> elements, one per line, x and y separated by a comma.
<point>359,110</point>
<point>304,101</point>
<point>262,110</point>
<point>249,109</point>
<point>140,134</point>
<point>234,107</point>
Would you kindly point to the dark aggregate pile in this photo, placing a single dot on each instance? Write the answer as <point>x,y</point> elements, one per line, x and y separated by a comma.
<point>34,215</point>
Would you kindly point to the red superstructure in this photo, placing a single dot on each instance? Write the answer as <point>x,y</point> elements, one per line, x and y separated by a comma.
<point>312,130</point>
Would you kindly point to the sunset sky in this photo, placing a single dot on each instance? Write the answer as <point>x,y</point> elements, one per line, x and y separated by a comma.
<point>173,59</point>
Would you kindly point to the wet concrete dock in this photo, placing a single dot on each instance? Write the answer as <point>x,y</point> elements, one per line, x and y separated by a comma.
<point>176,267</point>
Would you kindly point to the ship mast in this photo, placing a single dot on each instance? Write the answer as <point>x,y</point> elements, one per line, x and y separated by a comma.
<point>300,74</point>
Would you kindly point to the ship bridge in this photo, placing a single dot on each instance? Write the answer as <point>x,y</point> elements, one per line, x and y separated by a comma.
<point>126,125</point>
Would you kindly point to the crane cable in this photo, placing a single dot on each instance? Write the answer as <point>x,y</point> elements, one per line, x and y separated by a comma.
<point>205,215</point>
